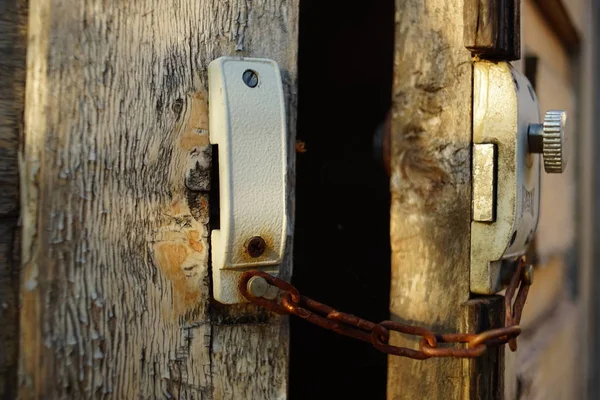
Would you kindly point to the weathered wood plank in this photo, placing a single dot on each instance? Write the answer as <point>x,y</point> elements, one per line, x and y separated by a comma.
<point>486,373</point>
<point>558,17</point>
<point>115,282</point>
<point>13,22</point>
<point>431,189</point>
<point>492,28</point>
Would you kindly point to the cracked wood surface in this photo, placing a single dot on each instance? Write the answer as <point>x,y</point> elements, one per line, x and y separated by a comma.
<point>115,201</point>
<point>431,191</point>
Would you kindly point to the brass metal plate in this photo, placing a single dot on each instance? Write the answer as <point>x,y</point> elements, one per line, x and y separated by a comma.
<point>504,105</point>
<point>484,182</point>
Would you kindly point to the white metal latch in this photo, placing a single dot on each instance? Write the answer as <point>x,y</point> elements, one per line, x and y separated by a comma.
<point>507,140</point>
<point>247,121</point>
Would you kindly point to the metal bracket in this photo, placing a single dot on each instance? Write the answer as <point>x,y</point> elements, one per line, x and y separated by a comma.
<point>506,175</point>
<point>247,121</point>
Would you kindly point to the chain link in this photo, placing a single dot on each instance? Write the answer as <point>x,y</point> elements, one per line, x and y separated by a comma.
<point>290,301</point>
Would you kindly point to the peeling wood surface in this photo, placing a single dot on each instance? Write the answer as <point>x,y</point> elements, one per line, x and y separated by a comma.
<point>13,26</point>
<point>431,190</point>
<point>115,201</point>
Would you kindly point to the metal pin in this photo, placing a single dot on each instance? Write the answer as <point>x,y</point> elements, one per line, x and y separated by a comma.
<point>272,293</point>
<point>258,286</point>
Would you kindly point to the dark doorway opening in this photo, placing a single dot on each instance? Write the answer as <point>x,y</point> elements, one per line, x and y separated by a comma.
<point>342,245</point>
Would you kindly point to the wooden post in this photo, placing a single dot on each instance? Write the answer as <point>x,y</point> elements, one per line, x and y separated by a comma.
<point>13,28</point>
<point>484,376</point>
<point>431,191</point>
<point>115,194</point>
<point>493,28</point>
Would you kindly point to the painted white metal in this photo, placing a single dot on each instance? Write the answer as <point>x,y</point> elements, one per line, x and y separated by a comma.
<point>248,124</point>
<point>504,106</point>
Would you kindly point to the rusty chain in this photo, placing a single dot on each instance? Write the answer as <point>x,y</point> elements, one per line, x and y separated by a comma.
<point>291,302</point>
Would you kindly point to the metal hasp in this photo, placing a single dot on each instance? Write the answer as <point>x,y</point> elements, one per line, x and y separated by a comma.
<point>247,122</point>
<point>507,140</point>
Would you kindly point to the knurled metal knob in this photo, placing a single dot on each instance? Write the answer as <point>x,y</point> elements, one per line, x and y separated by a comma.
<point>550,139</point>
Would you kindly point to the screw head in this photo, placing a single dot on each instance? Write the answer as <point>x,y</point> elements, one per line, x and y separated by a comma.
<point>256,246</point>
<point>250,78</point>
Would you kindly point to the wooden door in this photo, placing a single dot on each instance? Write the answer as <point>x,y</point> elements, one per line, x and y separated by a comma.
<point>431,182</point>
<point>115,182</point>
<point>107,201</point>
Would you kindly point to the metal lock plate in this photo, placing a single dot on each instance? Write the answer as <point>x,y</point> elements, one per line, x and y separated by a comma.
<point>506,176</point>
<point>247,122</point>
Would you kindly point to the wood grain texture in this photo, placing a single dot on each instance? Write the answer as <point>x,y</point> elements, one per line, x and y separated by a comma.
<point>486,373</point>
<point>115,282</point>
<point>13,23</point>
<point>431,189</point>
<point>493,29</point>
